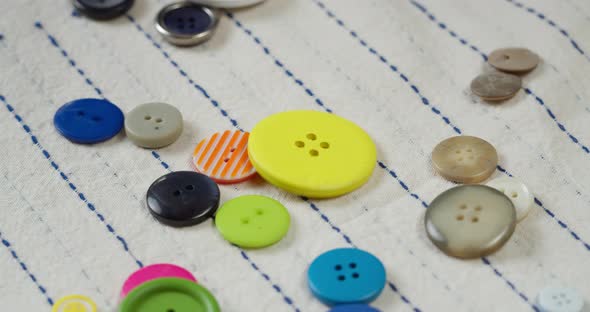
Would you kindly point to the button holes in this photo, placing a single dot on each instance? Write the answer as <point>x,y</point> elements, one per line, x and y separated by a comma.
<point>171,310</point>
<point>148,117</point>
<point>460,218</point>
<point>478,208</point>
<point>325,145</point>
<point>457,152</point>
<point>352,265</point>
<point>233,149</point>
<point>514,195</point>
<point>226,160</point>
<point>191,19</point>
<point>312,136</point>
<point>189,187</point>
<point>355,275</point>
<point>158,120</point>
<point>341,277</point>
<point>562,295</point>
<point>157,128</point>
<point>245,220</point>
<point>314,153</point>
<point>80,113</point>
<point>299,144</point>
<point>463,206</point>
<point>259,212</point>
<point>554,297</point>
<point>474,219</point>
<point>96,118</point>
<point>469,150</point>
<point>338,267</point>
<point>176,193</point>
<point>506,57</point>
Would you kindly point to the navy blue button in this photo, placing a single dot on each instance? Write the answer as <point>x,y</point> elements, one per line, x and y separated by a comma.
<point>346,276</point>
<point>103,9</point>
<point>88,121</point>
<point>183,198</point>
<point>186,23</point>
<point>353,308</point>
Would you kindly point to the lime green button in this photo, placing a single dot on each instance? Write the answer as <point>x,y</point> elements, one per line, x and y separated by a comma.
<point>252,221</point>
<point>169,294</point>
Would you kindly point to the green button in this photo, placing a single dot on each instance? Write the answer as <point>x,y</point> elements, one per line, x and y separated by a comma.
<point>252,221</point>
<point>169,294</point>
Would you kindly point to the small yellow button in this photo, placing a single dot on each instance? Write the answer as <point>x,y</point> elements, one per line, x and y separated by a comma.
<point>312,153</point>
<point>74,303</point>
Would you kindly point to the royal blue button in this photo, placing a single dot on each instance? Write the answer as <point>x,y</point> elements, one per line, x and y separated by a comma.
<point>346,275</point>
<point>353,308</point>
<point>88,121</point>
<point>103,9</point>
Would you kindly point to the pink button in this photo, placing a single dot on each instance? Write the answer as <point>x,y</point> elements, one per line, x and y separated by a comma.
<point>154,271</point>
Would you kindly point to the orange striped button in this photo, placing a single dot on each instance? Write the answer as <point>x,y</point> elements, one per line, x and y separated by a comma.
<point>224,157</point>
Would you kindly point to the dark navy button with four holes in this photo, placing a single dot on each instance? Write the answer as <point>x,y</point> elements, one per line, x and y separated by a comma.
<point>346,276</point>
<point>88,121</point>
<point>186,23</point>
<point>183,198</point>
<point>103,9</point>
<point>359,307</point>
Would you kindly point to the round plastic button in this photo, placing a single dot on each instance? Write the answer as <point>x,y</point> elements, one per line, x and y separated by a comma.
<point>153,125</point>
<point>252,221</point>
<point>183,198</point>
<point>353,308</point>
<point>496,86</point>
<point>169,294</point>
<point>513,60</point>
<point>103,9</point>
<point>152,272</point>
<point>465,159</point>
<point>74,303</point>
<point>186,23</point>
<point>518,193</point>
<point>88,121</point>
<point>224,157</point>
<point>346,275</point>
<point>470,221</point>
<point>560,299</point>
<point>312,153</point>
<point>229,4</point>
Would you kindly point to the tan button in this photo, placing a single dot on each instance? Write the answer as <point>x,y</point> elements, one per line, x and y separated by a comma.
<point>496,86</point>
<point>464,159</point>
<point>470,221</point>
<point>513,60</point>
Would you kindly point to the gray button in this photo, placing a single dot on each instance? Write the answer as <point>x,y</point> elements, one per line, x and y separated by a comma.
<point>153,125</point>
<point>470,221</point>
<point>186,23</point>
<point>513,60</point>
<point>496,86</point>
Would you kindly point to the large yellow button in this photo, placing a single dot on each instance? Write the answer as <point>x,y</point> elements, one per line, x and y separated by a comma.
<point>312,153</point>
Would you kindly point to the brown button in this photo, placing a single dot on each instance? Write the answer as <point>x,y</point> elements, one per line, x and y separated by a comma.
<point>470,221</point>
<point>465,159</point>
<point>496,86</point>
<point>513,60</point>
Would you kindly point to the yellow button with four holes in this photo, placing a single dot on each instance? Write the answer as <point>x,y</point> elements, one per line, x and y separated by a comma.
<point>312,153</point>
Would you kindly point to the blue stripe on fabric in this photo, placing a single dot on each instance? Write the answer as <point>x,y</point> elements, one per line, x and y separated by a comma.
<point>24,267</point>
<point>279,64</point>
<point>184,74</point>
<point>287,299</point>
<point>551,23</point>
<point>537,201</point>
<point>276,287</point>
<point>66,179</point>
<point>528,91</point>
<point>83,74</point>
<point>394,69</point>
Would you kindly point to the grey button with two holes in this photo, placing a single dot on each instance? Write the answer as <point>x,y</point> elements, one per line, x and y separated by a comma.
<point>153,125</point>
<point>470,221</point>
<point>186,23</point>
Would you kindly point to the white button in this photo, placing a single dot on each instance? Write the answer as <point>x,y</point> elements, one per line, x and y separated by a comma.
<point>560,299</point>
<point>518,193</point>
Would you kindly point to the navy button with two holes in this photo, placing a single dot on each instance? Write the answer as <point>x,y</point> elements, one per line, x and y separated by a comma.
<point>183,198</point>
<point>186,23</point>
<point>88,121</point>
<point>103,9</point>
<point>346,276</point>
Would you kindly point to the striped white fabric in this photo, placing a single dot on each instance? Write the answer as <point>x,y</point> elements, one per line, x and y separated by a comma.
<point>73,217</point>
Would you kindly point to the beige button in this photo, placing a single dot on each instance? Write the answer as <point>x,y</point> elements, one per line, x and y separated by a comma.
<point>513,60</point>
<point>464,159</point>
<point>496,86</point>
<point>470,221</point>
